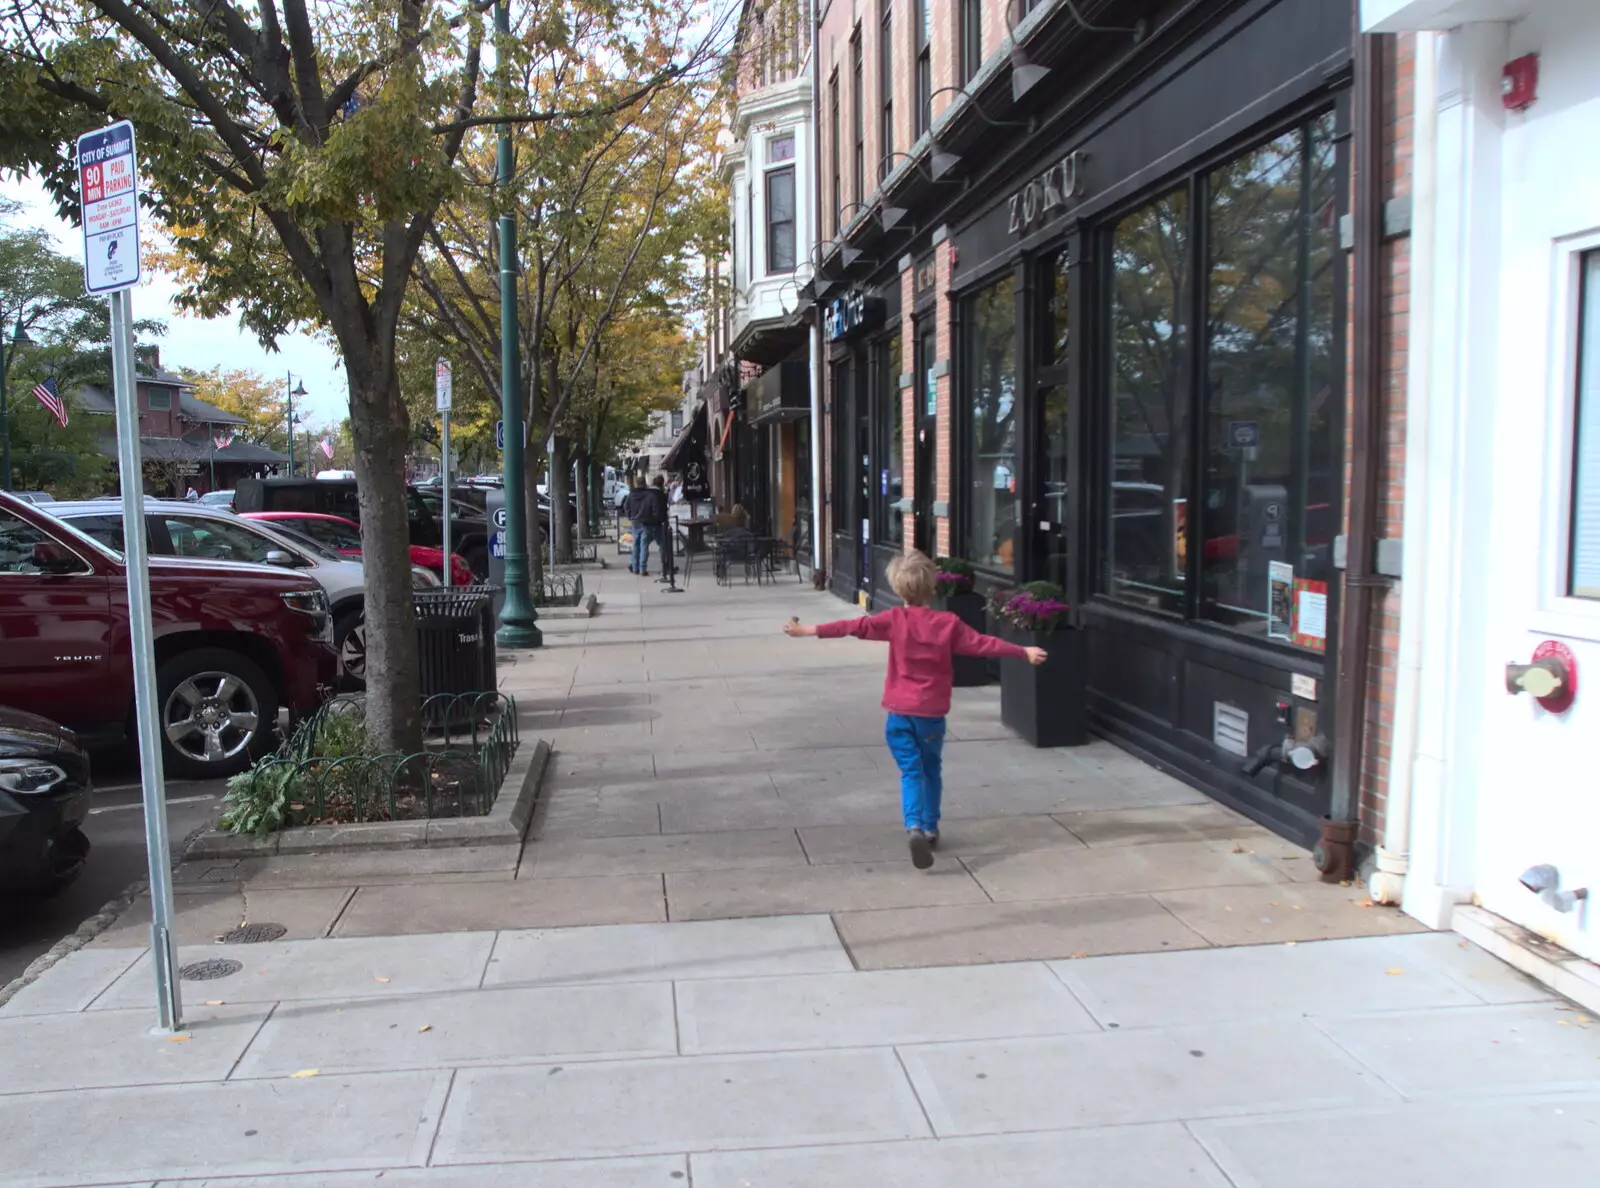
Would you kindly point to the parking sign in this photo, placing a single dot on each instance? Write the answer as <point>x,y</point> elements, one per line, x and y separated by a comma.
<point>443,386</point>
<point>108,187</point>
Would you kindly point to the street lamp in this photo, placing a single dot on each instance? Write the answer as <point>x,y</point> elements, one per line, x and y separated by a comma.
<point>18,339</point>
<point>300,391</point>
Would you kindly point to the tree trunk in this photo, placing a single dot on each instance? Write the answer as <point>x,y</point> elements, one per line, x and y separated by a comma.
<point>532,476</point>
<point>394,702</point>
<point>585,520</point>
<point>560,485</point>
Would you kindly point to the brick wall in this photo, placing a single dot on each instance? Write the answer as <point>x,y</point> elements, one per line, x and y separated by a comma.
<point>1394,348</point>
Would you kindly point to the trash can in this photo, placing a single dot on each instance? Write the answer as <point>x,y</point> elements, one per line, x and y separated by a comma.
<point>455,639</point>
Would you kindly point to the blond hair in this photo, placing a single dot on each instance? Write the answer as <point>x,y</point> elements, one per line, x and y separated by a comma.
<point>914,578</point>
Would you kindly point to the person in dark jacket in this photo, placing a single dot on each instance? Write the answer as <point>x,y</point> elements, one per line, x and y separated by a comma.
<point>653,523</point>
<point>630,508</point>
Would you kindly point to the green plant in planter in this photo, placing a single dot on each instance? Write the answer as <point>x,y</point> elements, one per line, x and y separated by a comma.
<point>956,577</point>
<point>259,800</point>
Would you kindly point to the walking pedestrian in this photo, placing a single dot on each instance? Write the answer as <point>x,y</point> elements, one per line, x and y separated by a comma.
<point>653,523</point>
<point>916,688</point>
<point>630,509</point>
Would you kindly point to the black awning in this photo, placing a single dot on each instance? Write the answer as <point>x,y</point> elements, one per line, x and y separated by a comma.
<point>781,392</point>
<point>688,454</point>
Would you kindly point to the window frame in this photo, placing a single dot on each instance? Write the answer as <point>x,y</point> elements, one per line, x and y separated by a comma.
<point>150,395</point>
<point>793,221</point>
<point>961,436</point>
<point>1559,612</point>
<point>858,114</point>
<point>923,81</point>
<point>1192,179</point>
<point>835,151</point>
<point>888,530</point>
<point>969,36</point>
<point>886,88</point>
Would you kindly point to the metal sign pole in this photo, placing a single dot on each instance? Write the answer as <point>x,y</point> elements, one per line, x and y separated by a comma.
<point>444,486</point>
<point>136,557</point>
<point>443,395</point>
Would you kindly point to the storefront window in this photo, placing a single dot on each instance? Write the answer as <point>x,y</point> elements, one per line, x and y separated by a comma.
<point>990,332</point>
<point>891,438</point>
<point>1058,286</point>
<point>1056,443</point>
<point>1272,374</point>
<point>1149,498</point>
<point>1584,579</point>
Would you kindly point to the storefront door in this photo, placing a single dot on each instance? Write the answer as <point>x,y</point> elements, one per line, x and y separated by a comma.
<point>1053,437</point>
<point>927,440</point>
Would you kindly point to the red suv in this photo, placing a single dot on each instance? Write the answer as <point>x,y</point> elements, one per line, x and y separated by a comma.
<point>234,643</point>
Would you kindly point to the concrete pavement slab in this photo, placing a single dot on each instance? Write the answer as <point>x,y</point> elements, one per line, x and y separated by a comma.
<point>505,1026</point>
<point>1485,975</point>
<point>1486,1051</point>
<point>106,1049</point>
<point>754,849</point>
<point>1022,931</point>
<point>828,845</point>
<point>1342,977</point>
<point>202,916</point>
<point>1068,874</point>
<point>1117,1078</point>
<point>733,893</point>
<point>687,1103</point>
<point>1163,823</point>
<point>867,1009</point>
<point>250,1128</point>
<point>1293,912</point>
<point>1163,1156</point>
<point>592,816</point>
<point>332,968</point>
<point>665,1171</point>
<point>658,952</point>
<point>347,869</point>
<point>1457,1145</point>
<point>74,982</point>
<point>527,903</point>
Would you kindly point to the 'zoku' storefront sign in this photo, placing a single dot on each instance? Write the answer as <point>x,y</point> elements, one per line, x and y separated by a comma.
<point>1047,193</point>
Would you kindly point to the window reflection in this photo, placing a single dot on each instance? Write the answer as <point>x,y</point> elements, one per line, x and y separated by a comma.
<point>891,474</point>
<point>1149,495</point>
<point>1271,496</point>
<point>991,434</point>
<point>1054,338</point>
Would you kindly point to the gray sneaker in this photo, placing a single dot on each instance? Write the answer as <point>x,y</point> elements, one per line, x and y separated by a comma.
<point>921,851</point>
<point>933,838</point>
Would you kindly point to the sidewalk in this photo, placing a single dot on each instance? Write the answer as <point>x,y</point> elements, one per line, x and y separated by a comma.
<point>713,964</point>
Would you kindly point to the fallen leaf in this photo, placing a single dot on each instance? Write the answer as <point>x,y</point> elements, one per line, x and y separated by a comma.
<point>215,1002</point>
<point>380,979</point>
<point>304,1073</point>
<point>1395,972</point>
<point>1345,883</point>
<point>1585,1019</point>
<point>1238,849</point>
<point>1077,956</point>
<point>177,1039</point>
<point>1366,903</point>
<point>426,1027</point>
<point>1298,908</point>
<point>1290,944</point>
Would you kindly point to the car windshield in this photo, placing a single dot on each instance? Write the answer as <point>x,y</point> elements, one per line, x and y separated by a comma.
<point>219,540</point>
<point>99,545</point>
<point>334,534</point>
<point>303,540</point>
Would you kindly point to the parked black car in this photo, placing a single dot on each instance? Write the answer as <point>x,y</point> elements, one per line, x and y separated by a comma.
<point>44,798</point>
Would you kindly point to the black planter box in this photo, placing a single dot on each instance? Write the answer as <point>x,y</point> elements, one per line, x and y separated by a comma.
<point>1044,705</point>
<point>969,608</point>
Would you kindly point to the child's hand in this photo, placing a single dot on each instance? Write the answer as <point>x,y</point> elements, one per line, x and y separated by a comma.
<point>1036,656</point>
<point>793,628</point>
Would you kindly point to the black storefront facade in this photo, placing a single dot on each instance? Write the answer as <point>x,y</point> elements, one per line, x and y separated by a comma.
<point>1106,347</point>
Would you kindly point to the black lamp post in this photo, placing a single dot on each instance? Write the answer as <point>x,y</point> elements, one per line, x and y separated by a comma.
<point>18,339</point>
<point>300,391</point>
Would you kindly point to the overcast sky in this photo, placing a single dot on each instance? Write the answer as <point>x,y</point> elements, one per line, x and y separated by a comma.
<point>198,342</point>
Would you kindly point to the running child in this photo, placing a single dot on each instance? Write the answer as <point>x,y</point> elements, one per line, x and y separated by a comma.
<point>916,689</point>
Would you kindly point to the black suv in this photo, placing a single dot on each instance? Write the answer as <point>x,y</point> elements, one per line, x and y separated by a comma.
<point>469,529</point>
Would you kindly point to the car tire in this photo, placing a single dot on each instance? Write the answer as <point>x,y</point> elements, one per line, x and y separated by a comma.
<point>350,642</point>
<point>212,690</point>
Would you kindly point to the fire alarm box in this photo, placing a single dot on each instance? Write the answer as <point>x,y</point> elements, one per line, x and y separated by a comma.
<point>1519,82</point>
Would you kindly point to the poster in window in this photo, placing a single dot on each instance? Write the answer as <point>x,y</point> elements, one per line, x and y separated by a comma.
<point>1311,614</point>
<point>1280,599</point>
<point>1180,538</point>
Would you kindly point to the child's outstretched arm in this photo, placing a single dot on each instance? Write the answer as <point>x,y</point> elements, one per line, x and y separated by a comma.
<point>971,642</point>
<point>874,627</point>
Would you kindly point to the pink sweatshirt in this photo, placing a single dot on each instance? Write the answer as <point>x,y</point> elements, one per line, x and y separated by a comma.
<point>921,642</point>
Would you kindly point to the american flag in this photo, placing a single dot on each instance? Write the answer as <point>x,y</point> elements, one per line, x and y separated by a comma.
<point>327,446</point>
<point>50,396</point>
<point>222,440</point>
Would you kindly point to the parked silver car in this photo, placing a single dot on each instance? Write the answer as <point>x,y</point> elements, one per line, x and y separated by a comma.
<point>179,528</point>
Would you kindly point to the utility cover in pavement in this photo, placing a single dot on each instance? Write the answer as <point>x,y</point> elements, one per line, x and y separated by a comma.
<point>253,934</point>
<point>209,971</point>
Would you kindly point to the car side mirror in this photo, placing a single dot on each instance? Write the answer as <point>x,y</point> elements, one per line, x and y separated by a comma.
<point>279,557</point>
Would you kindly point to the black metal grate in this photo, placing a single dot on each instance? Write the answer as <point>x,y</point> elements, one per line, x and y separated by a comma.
<point>253,934</point>
<point>210,970</point>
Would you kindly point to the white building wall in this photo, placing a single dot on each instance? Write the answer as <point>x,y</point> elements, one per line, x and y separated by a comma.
<point>1498,784</point>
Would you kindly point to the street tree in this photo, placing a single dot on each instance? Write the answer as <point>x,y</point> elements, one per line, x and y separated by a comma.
<point>296,157</point>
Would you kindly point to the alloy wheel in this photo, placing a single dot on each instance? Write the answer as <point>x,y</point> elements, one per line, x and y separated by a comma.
<point>211,716</point>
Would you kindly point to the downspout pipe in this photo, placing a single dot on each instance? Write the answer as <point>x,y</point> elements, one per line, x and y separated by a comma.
<point>1366,430</point>
<point>1388,880</point>
<point>817,444</point>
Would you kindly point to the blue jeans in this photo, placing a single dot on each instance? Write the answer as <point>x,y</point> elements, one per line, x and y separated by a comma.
<point>918,747</point>
<point>643,538</point>
<point>636,563</point>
